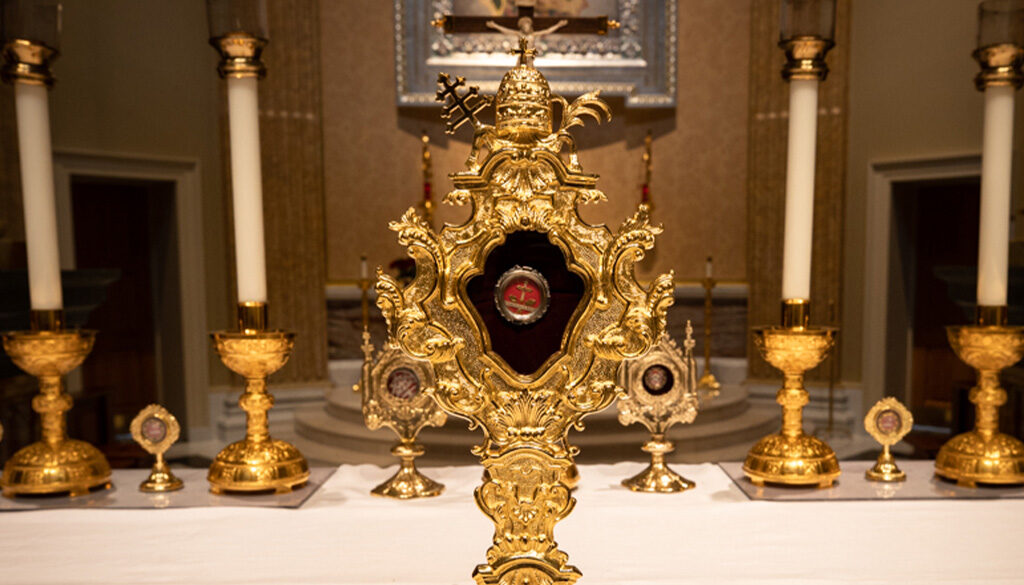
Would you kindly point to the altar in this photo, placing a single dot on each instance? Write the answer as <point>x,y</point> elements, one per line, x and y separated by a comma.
<point>342,535</point>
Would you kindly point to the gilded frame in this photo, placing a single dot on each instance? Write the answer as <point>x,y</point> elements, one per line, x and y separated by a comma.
<point>658,413</point>
<point>171,426</point>
<point>406,417</point>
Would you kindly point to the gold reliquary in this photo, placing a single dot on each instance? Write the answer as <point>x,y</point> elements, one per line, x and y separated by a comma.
<point>393,387</point>
<point>662,391</point>
<point>525,311</point>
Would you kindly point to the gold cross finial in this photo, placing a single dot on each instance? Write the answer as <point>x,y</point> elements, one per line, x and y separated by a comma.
<point>525,52</point>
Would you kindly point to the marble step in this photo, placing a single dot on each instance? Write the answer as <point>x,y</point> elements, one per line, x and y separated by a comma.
<point>732,400</point>
<point>345,422</point>
<point>731,443</point>
<point>726,425</point>
<point>348,440</point>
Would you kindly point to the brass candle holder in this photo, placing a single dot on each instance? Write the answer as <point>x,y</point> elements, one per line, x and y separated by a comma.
<point>257,463</point>
<point>55,464</point>
<point>428,173</point>
<point>240,55</point>
<point>1000,66</point>
<point>984,455</point>
<point>28,62</point>
<point>662,391</point>
<point>792,457</point>
<point>708,383</point>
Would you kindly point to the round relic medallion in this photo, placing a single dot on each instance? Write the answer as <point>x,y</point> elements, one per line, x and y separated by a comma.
<point>154,430</point>
<point>522,295</point>
<point>403,383</point>
<point>657,380</point>
<point>888,422</point>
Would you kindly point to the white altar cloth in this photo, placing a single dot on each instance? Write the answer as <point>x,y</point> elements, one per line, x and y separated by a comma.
<point>711,535</point>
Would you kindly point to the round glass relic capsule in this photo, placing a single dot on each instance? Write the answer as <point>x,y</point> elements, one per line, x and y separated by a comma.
<point>888,422</point>
<point>657,380</point>
<point>154,430</point>
<point>522,295</point>
<point>403,383</point>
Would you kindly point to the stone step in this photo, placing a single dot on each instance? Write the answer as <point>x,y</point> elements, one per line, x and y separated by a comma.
<point>724,429</point>
<point>731,401</point>
<point>454,440</point>
<point>345,421</point>
<point>321,437</point>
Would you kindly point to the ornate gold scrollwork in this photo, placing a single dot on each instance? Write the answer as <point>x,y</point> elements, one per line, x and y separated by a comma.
<point>524,182</point>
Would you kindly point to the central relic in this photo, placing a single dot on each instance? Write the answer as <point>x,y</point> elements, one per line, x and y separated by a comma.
<point>525,312</point>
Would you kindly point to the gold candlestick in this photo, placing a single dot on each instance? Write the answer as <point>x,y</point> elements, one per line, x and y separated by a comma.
<point>257,463</point>
<point>428,194</point>
<point>792,457</point>
<point>984,455</point>
<point>648,158</point>
<point>708,383</point>
<point>56,464</point>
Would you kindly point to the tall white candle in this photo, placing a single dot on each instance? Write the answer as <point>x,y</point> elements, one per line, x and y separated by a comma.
<point>364,269</point>
<point>37,192</point>
<point>707,268</point>
<point>803,127</point>
<point>996,169</point>
<point>247,188</point>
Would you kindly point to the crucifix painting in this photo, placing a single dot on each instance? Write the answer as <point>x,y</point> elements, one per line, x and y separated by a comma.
<point>624,48</point>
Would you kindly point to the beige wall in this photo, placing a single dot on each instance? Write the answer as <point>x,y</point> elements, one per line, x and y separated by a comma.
<point>137,77</point>
<point>372,149</point>
<point>911,96</point>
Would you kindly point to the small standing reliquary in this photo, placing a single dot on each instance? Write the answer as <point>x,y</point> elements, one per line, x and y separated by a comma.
<point>888,422</point>
<point>155,430</point>
<point>662,391</point>
<point>393,387</point>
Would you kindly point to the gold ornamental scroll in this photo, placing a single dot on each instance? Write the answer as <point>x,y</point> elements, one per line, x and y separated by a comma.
<point>524,180</point>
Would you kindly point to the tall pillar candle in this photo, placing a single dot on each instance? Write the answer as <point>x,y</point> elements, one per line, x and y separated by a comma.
<point>996,168</point>
<point>36,157</point>
<point>799,231</point>
<point>247,188</point>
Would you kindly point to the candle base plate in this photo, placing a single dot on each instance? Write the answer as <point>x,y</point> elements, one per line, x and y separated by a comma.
<point>258,466</point>
<point>70,467</point>
<point>802,460</point>
<point>971,458</point>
